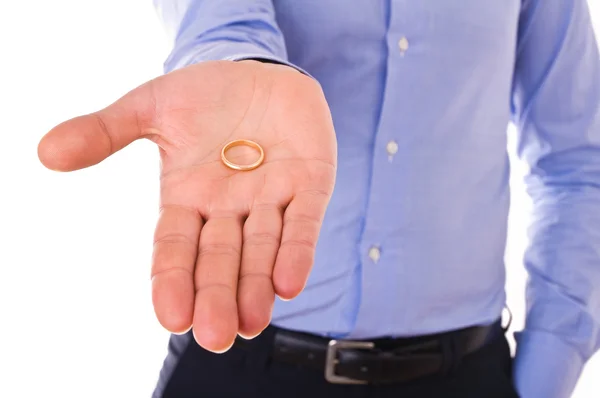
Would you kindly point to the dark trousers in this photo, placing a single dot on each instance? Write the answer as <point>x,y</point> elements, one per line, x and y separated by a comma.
<point>247,372</point>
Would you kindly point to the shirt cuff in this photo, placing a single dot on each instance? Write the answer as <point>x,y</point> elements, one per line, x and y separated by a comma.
<point>224,51</point>
<point>545,366</point>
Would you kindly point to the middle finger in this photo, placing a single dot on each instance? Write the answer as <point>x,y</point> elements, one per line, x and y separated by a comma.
<point>216,277</point>
<point>262,235</point>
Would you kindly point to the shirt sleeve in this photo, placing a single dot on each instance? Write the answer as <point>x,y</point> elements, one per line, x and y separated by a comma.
<point>209,30</point>
<point>556,107</point>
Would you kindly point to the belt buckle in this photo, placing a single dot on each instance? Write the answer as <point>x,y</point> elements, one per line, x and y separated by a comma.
<point>331,359</point>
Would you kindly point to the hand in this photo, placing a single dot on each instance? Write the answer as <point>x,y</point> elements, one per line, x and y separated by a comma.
<point>226,241</point>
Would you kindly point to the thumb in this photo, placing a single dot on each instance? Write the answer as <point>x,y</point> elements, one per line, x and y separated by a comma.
<point>87,140</point>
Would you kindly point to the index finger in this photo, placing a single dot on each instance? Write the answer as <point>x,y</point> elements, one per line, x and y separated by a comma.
<point>301,226</point>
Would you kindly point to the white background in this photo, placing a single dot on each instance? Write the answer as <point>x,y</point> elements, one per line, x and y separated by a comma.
<point>75,312</point>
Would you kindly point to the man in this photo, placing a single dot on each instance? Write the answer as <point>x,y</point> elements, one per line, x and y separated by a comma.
<point>407,287</point>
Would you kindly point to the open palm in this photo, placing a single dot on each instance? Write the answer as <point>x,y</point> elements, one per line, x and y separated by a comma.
<point>226,241</point>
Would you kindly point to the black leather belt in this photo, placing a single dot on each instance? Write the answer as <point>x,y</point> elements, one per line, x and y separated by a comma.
<point>381,360</point>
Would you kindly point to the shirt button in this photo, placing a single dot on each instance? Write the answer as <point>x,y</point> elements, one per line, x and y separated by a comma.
<point>403,45</point>
<point>374,254</point>
<point>391,148</point>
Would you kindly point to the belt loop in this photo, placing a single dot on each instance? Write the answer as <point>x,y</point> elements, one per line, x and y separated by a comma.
<point>448,354</point>
<point>267,347</point>
<point>456,356</point>
<point>260,350</point>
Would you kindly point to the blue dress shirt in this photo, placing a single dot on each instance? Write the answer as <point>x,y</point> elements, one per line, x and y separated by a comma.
<point>421,94</point>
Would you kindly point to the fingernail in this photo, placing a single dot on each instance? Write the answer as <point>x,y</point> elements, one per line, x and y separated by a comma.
<point>222,351</point>
<point>183,332</point>
<point>249,337</point>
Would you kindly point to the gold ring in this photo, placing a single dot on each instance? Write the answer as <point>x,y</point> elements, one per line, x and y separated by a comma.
<point>243,167</point>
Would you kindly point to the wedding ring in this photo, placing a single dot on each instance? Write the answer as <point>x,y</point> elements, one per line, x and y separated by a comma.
<point>242,167</point>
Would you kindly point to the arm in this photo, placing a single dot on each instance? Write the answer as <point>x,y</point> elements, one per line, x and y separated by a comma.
<point>557,112</point>
<point>211,30</point>
<point>220,258</point>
